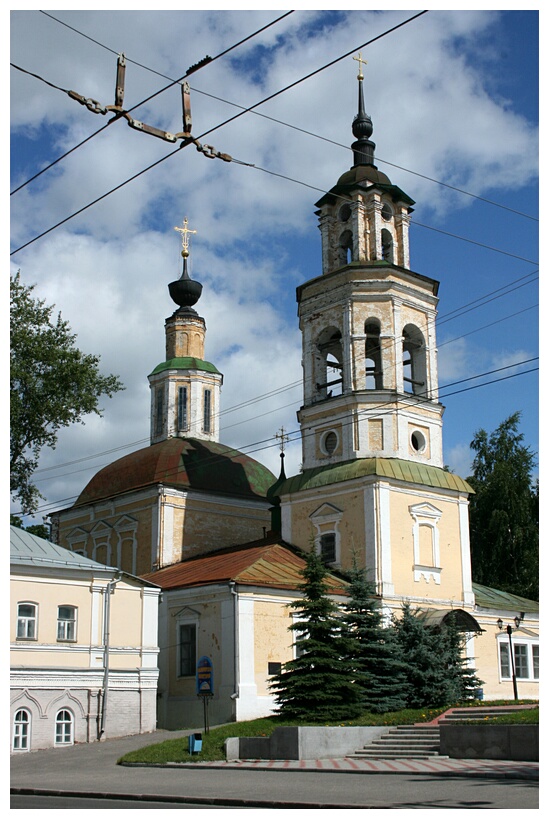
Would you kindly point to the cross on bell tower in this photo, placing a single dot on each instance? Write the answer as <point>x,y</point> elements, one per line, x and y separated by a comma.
<point>185,389</point>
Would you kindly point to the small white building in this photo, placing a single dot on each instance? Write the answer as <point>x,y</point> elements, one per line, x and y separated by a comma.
<point>83,648</point>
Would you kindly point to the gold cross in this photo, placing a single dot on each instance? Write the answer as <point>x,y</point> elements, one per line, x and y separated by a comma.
<point>282,437</point>
<point>360,61</point>
<point>184,231</point>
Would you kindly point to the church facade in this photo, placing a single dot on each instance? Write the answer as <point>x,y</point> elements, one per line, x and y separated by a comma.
<point>223,538</point>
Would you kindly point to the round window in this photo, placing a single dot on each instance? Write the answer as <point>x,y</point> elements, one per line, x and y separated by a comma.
<point>418,441</point>
<point>330,442</point>
<point>386,212</point>
<point>344,213</point>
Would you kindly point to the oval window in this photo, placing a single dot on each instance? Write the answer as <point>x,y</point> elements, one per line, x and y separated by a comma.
<point>418,441</point>
<point>330,442</point>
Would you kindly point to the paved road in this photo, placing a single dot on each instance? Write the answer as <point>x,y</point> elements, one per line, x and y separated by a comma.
<point>88,770</point>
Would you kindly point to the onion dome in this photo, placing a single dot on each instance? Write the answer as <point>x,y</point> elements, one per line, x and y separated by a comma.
<point>184,291</point>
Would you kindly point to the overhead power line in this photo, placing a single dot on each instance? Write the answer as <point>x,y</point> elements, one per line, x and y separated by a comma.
<point>194,68</point>
<point>50,505</point>
<point>226,122</point>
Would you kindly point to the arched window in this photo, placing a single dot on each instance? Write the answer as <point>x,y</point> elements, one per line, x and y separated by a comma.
<point>413,361</point>
<point>386,246</point>
<point>345,248</point>
<point>374,373</point>
<point>64,727</point>
<point>66,624</point>
<point>21,730</point>
<point>27,621</point>
<point>330,363</point>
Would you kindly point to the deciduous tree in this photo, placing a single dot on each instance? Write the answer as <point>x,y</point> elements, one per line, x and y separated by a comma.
<point>52,385</point>
<point>504,511</point>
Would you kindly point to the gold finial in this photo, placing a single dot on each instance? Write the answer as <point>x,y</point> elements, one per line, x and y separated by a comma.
<point>283,438</point>
<point>359,59</point>
<point>184,231</point>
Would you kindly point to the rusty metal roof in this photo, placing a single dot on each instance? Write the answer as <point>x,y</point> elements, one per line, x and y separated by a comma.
<point>184,463</point>
<point>269,563</point>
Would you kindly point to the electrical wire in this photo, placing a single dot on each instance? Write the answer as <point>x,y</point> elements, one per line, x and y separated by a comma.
<point>264,116</point>
<point>226,122</point>
<point>117,116</point>
<point>456,313</point>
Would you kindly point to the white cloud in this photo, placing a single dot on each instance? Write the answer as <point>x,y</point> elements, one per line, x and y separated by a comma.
<point>427,89</point>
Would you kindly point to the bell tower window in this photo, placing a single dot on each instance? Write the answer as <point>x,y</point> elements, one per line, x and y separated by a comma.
<point>386,246</point>
<point>330,361</point>
<point>159,410</point>
<point>182,420</point>
<point>374,374</point>
<point>346,248</point>
<point>207,410</point>
<point>413,361</point>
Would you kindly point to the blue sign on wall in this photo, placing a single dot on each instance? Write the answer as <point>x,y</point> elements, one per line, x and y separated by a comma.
<point>204,677</point>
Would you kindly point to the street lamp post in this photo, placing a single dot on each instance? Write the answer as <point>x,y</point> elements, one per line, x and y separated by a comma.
<point>509,630</point>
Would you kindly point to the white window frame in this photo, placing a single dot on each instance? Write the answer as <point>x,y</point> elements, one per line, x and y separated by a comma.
<point>64,624</point>
<point>425,514</point>
<point>529,645</point>
<point>64,737</point>
<point>25,620</point>
<point>21,731</point>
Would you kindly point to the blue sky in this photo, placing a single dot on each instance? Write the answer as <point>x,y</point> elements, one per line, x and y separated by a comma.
<point>453,97</point>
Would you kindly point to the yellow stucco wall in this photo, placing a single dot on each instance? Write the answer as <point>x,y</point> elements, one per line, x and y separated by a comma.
<point>85,651</point>
<point>272,639</point>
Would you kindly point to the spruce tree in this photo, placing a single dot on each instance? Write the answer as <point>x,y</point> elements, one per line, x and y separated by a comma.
<point>462,679</point>
<point>317,685</point>
<point>421,650</point>
<point>437,669</point>
<point>372,649</point>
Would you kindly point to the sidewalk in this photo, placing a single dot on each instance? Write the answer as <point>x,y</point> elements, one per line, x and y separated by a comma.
<point>92,770</point>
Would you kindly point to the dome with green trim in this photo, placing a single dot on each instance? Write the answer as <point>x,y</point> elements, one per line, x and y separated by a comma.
<point>186,363</point>
<point>182,463</point>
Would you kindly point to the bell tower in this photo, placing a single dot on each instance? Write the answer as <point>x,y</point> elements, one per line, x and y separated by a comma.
<point>368,325</point>
<point>185,389</point>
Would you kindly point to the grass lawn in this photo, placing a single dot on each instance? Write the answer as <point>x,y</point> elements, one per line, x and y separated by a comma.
<point>177,750</point>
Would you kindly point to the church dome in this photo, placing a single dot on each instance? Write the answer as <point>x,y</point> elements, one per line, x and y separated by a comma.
<point>365,174</point>
<point>182,463</point>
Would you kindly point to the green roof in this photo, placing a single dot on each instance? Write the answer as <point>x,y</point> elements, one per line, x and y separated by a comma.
<point>488,598</point>
<point>394,468</point>
<point>185,363</point>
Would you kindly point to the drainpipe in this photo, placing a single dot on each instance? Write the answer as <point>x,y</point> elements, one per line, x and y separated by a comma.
<point>235,695</point>
<point>109,589</point>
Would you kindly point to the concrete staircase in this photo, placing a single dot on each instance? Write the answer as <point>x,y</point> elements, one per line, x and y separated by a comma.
<point>479,712</point>
<point>423,741</point>
<point>403,742</point>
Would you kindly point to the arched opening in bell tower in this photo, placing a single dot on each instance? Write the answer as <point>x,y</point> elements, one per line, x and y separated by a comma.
<point>386,246</point>
<point>373,368</point>
<point>329,380</point>
<point>345,248</point>
<point>414,361</point>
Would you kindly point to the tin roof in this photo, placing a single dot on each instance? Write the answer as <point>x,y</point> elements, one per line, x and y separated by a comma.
<point>27,549</point>
<point>184,463</point>
<point>268,563</point>
<point>396,468</point>
<point>488,598</point>
<point>185,363</point>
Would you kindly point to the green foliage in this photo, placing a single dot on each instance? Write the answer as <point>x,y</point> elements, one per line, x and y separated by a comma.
<point>52,385</point>
<point>317,684</point>
<point>504,512</point>
<point>437,671</point>
<point>372,649</point>
<point>38,529</point>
